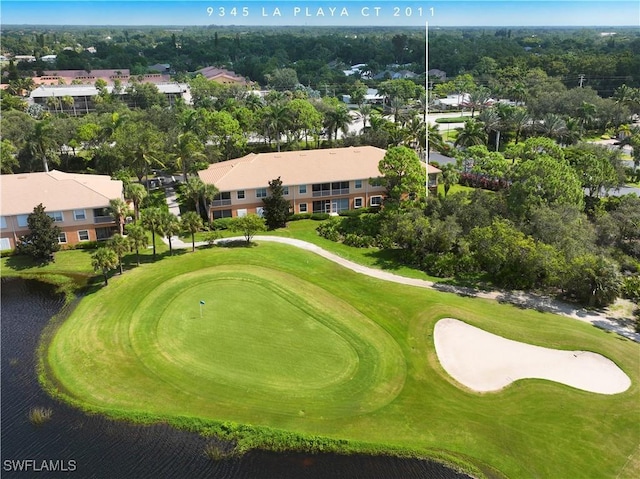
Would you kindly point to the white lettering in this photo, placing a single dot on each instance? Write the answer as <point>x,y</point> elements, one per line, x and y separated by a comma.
<point>296,10</point>
<point>344,12</point>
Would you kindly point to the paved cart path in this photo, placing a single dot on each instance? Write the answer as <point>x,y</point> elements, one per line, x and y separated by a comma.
<point>518,298</point>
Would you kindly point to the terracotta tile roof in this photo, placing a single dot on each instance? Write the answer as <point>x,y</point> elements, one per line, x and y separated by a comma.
<point>56,190</point>
<point>296,168</point>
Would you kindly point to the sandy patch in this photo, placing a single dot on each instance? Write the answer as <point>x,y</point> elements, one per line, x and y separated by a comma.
<point>486,362</point>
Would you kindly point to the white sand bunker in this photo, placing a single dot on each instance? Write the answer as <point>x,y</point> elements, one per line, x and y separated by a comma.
<point>485,362</point>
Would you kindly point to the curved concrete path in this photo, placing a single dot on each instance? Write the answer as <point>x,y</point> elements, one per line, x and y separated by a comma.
<point>518,298</point>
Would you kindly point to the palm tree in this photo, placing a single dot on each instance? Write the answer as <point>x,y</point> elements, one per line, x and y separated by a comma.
<point>276,119</point>
<point>493,123</point>
<point>396,104</point>
<point>188,148</point>
<point>170,227</point>
<point>450,176</point>
<point>552,126</point>
<point>120,245</point>
<point>472,134</point>
<point>364,111</point>
<point>68,102</point>
<point>119,210</point>
<point>337,118</point>
<point>104,259</point>
<point>478,100</point>
<point>194,188</point>
<point>136,193</point>
<point>41,143</point>
<point>586,114</point>
<point>436,142</point>
<point>151,219</point>
<point>192,223</point>
<point>415,135</point>
<point>520,120</point>
<point>208,194</point>
<point>138,238</point>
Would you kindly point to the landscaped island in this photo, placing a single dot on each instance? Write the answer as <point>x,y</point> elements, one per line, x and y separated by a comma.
<point>292,351</point>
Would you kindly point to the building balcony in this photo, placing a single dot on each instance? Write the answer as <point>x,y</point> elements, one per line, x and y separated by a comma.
<point>103,219</point>
<point>217,203</point>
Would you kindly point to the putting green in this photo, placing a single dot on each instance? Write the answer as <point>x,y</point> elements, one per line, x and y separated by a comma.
<point>273,339</point>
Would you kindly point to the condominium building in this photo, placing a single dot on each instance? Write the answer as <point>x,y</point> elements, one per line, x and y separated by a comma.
<point>315,181</point>
<point>79,205</point>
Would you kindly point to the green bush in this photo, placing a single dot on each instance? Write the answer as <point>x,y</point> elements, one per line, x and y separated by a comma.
<point>329,230</point>
<point>86,245</point>
<point>300,216</point>
<point>221,224</point>
<point>358,241</point>
<point>6,252</point>
<point>320,216</point>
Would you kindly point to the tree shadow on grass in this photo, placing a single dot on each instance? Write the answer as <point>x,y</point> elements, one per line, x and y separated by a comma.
<point>236,244</point>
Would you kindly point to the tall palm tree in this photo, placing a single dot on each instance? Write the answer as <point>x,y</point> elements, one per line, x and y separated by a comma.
<point>586,114</point>
<point>136,193</point>
<point>169,226</point>
<point>520,121</point>
<point>492,122</point>
<point>337,118</point>
<point>276,119</point>
<point>436,142</point>
<point>194,188</point>
<point>187,149</point>
<point>364,111</point>
<point>120,245</point>
<point>41,143</point>
<point>415,135</point>
<point>471,134</point>
<point>119,210</point>
<point>192,223</point>
<point>208,194</point>
<point>396,104</point>
<point>68,102</point>
<point>138,239</point>
<point>151,219</point>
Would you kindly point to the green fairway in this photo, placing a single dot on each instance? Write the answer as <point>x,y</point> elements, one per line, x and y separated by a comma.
<point>288,340</point>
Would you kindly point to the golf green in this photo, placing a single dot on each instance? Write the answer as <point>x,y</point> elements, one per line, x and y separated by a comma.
<point>263,334</point>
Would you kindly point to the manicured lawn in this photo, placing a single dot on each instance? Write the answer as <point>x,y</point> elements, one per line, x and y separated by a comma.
<point>291,341</point>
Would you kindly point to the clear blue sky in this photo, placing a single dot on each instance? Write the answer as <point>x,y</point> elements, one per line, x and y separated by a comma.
<point>345,12</point>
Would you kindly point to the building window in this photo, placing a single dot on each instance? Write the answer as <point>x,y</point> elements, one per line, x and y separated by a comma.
<point>260,211</point>
<point>261,192</point>
<point>79,215</point>
<point>5,244</point>
<point>62,237</point>
<point>285,190</point>
<point>357,202</point>
<point>376,201</point>
<point>105,233</point>
<point>22,221</point>
<point>302,207</point>
<point>302,189</point>
<point>222,214</point>
<point>242,213</point>
<point>358,184</point>
<point>57,216</point>
<point>83,235</point>
<point>3,222</point>
<point>241,194</point>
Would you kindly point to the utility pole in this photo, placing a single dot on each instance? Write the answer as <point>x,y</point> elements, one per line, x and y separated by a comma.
<point>581,79</point>
<point>426,108</point>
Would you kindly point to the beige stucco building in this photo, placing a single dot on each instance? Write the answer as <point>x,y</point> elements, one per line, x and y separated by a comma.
<point>315,181</point>
<point>77,203</point>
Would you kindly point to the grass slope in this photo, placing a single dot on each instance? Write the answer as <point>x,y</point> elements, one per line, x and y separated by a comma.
<point>289,340</point>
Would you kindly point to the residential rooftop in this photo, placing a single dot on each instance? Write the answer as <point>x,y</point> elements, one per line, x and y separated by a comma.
<point>56,190</point>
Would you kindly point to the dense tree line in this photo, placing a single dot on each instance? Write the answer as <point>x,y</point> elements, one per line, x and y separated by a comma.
<point>493,55</point>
